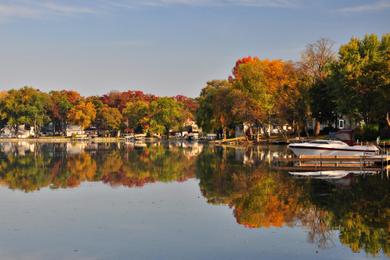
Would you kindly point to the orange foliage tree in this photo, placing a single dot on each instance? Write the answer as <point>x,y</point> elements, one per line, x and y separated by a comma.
<point>271,87</point>
<point>82,114</point>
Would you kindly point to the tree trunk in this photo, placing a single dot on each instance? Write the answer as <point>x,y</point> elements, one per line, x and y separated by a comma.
<point>388,119</point>
<point>265,131</point>
<point>306,130</point>
<point>317,128</point>
<point>16,129</point>
<point>298,130</point>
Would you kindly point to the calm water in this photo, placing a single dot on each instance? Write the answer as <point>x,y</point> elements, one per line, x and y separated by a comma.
<point>120,201</point>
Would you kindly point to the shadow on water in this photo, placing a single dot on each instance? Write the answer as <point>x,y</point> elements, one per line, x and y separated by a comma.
<point>354,209</point>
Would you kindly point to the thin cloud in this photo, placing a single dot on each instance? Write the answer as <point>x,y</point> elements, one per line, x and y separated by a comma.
<point>221,3</point>
<point>67,9</point>
<point>42,9</point>
<point>376,6</point>
<point>8,10</point>
<point>32,9</point>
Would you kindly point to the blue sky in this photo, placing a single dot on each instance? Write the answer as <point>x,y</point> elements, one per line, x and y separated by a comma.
<point>164,47</point>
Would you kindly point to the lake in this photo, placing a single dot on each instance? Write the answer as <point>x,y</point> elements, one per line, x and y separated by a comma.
<point>182,201</point>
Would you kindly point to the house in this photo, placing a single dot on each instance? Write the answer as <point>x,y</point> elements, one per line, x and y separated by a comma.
<point>247,129</point>
<point>7,132</point>
<point>241,129</point>
<point>92,132</point>
<point>191,126</point>
<point>72,130</point>
<point>190,130</point>
<point>342,122</point>
<point>23,131</point>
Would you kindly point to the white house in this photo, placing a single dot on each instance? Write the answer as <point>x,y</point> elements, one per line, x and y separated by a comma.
<point>72,130</point>
<point>23,132</point>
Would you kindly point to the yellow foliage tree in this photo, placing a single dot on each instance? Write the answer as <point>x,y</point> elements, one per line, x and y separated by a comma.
<point>82,114</point>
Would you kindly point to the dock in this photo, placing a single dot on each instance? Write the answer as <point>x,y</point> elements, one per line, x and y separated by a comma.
<point>378,163</point>
<point>329,158</point>
<point>384,144</point>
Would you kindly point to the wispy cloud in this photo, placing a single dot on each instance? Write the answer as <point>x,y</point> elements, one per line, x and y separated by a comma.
<point>254,3</point>
<point>39,9</point>
<point>9,10</point>
<point>48,8</point>
<point>375,6</point>
<point>67,9</point>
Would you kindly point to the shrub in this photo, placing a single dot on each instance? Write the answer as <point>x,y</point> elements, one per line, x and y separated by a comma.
<point>368,132</point>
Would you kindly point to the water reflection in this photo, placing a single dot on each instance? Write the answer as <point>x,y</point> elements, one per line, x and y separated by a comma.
<point>29,168</point>
<point>354,209</point>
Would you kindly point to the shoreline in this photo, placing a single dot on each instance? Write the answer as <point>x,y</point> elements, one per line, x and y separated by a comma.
<point>61,140</point>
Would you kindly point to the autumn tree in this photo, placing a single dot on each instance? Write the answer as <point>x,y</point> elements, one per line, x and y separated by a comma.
<point>60,104</point>
<point>3,120</point>
<point>190,105</point>
<point>137,115</point>
<point>108,118</point>
<point>82,114</point>
<point>265,84</point>
<point>119,100</point>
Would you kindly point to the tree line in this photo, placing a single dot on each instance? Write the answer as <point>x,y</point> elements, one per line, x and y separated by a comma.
<point>322,86</point>
<point>131,111</point>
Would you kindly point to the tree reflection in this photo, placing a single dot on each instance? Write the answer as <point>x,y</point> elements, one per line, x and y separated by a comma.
<point>261,198</point>
<point>28,173</point>
<point>240,178</point>
<point>52,166</point>
<point>136,166</point>
<point>361,213</point>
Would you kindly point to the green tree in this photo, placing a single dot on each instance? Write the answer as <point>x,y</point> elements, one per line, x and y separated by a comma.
<point>216,106</point>
<point>137,115</point>
<point>108,118</point>
<point>167,114</point>
<point>362,78</point>
<point>24,106</point>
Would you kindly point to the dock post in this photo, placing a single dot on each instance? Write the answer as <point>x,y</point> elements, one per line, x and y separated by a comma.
<point>382,163</point>
<point>320,160</point>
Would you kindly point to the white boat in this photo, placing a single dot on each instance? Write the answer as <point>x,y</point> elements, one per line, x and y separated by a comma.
<point>322,174</point>
<point>326,175</point>
<point>333,148</point>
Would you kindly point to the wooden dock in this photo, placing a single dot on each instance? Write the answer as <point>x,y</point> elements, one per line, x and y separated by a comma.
<point>320,162</point>
<point>330,168</point>
<point>385,144</point>
<point>327,158</point>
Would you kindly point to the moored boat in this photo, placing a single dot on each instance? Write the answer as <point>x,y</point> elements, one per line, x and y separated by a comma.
<point>335,174</point>
<point>322,174</point>
<point>332,147</point>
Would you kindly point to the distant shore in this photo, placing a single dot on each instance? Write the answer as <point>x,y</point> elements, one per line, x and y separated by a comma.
<point>60,139</point>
